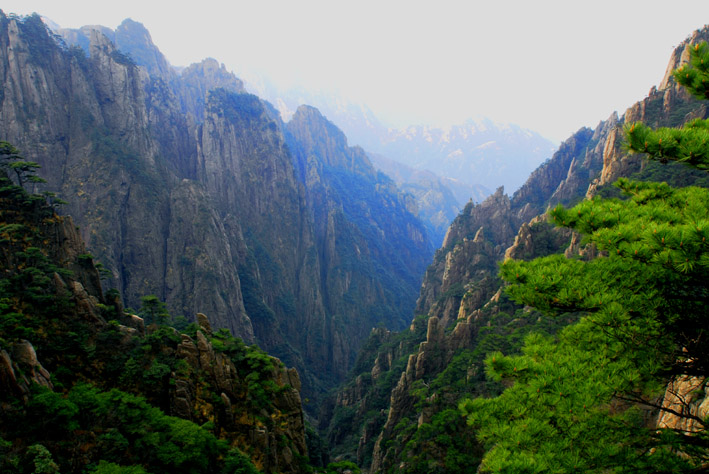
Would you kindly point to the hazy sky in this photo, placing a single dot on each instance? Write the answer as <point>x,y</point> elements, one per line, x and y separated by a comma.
<point>551,66</point>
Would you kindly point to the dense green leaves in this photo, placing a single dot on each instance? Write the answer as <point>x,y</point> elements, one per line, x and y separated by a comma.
<point>127,428</point>
<point>695,75</point>
<point>690,144</point>
<point>576,402</point>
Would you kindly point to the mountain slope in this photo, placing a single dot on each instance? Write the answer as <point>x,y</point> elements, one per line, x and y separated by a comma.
<point>417,378</point>
<point>84,383</point>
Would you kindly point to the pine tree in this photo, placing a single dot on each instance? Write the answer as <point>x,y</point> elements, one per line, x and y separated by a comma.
<point>13,163</point>
<point>587,400</point>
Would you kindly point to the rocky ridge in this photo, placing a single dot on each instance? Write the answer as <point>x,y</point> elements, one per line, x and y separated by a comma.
<point>460,291</point>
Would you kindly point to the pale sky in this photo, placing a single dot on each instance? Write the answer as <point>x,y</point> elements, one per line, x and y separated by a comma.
<point>550,66</point>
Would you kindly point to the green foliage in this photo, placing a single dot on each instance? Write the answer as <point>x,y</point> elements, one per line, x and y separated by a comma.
<point>237,462</point>
<point>695,74</point>
<point>42,460</point>
<point>689,144</point>
<point>576,402</point>
<point>342,466</point>
<point>111,468</point>
<point>148,436</point>
<point>13,164</point>
<point>440,446</point>
<point>317,449</point>
<point>644,315</point>
<point>153,310</point>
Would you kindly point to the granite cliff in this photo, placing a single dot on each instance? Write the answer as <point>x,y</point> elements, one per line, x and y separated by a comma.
<point>187,188</point>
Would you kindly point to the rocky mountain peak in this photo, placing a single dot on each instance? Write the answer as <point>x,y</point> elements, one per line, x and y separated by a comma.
<point>196,80</point>
<point>321,137</point>
<point>134,39</point>
<point>100,44</point>
<point>214,75</point>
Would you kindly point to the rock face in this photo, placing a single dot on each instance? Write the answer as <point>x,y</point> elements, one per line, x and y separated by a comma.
<point>365,227</point>
<point>475,241</point>
<point>684,396</point>
<point>187,188</point>
<point>62,312</point>
<point>188,402</point>
<point>19,371</point>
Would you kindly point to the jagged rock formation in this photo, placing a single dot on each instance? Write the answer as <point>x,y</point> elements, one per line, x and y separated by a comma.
<point>186,187</point>
<point>475,241</point>
<point>684,404</point>
<point>460,291</point>
<point>225,379</point>
<point>19,371</point>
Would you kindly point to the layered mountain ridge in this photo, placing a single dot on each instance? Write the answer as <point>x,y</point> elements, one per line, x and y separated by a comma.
<point>480,154</point>
<point>186,187</point>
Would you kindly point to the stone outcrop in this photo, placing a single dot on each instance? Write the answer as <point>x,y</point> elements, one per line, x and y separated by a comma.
<point>432,356</point>
<point>475,241</point>
<point>668,105</point>
<point>684,405</point>
<point>20,368</point>
<point>222,376</point>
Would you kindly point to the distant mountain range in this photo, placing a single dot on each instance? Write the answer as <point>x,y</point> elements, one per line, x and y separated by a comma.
<point>480,154</point>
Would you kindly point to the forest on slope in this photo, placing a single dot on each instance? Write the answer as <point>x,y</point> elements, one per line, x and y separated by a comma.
<point>87,387</point>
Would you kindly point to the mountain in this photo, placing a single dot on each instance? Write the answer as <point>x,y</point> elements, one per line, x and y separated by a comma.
<point>442,168</point>
<point>481,154</point>
<point>438,198</point>
<point>371,241</point>
<point>187,188</point>
<point>475,152</point>
<point>398,410</point>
